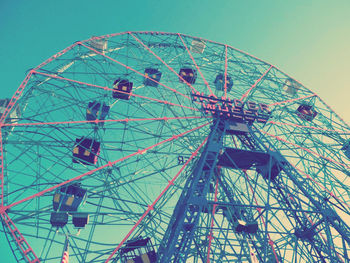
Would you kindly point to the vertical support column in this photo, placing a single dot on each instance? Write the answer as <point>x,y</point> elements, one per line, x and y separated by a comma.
<point>179,236</point>
<point>212,219</point>
<point>1,169</point>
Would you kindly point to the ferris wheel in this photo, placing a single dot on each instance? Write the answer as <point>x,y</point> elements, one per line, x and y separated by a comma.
<point>162,147</point>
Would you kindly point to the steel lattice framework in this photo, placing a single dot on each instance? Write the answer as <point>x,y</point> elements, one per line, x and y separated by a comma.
<point>175,177</point>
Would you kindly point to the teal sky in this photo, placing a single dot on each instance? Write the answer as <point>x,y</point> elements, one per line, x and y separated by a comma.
<point>307,39</point>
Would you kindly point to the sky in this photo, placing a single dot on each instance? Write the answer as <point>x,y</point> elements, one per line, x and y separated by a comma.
<point>307,39</point>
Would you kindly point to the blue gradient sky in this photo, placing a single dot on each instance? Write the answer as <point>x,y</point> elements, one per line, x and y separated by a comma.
<point>307,39</point>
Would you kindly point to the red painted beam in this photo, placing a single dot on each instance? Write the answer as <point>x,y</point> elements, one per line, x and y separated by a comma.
<point>109,164</point>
